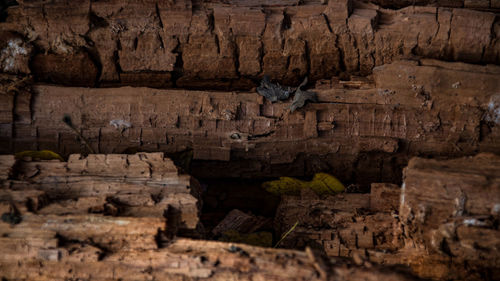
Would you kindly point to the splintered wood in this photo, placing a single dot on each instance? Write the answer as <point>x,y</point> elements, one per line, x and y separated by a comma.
<point>443,222</point>
<point>340,224</point>
<point>116,216</point>
<point>108,217</point>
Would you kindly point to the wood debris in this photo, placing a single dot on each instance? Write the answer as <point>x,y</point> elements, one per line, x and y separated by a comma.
<point>444,216</point>
<point>104,217</point>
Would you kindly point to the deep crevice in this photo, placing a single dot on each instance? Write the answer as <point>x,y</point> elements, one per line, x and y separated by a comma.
<point>179,64</point>
<point>157,9</point>
<point>4,6</point>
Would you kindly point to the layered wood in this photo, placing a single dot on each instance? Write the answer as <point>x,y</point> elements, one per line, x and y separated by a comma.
<point>105,216</point>
<point>343,225</point>
<point>187,260</point>
<point>452,207</point>
<point>443,222</point>
<point>210,44</point>
<point>373,126</point>
<point>491,5</point>
<point>137,191</point>
<point>98,218</point>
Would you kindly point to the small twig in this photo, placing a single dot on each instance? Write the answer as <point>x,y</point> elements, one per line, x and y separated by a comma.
<point>16,85</point>
<point>67,121</point>
<point>286,234</point>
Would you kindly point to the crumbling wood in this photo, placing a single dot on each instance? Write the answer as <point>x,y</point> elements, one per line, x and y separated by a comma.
<point>187,260</point>
<point>444,216</point>
<point>341,225</point>
<point>385,197</point>
<point>6,163</point>
<point>140,185</point>
<point>381,124</point>
<point>222,46</point>
<point>112,233</point>
<point>451,207</point>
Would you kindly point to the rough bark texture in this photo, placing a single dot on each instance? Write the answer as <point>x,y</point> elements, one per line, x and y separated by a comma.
<point>443,222</point>
<point>210,44</point>
<point>372,127</point>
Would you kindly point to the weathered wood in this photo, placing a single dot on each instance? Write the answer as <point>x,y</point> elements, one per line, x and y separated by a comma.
<point>63,233</point>
<point>363,130</point>
<point>452,207</point>
<point>139,185</point>
<point>213,44</point>
<point>6,163</point>
<point>110,233</point>
<point>186,260</point>
<point>442,222</point>
<point>342,225</point>
<point>241,222</point>
<point>385,197</point>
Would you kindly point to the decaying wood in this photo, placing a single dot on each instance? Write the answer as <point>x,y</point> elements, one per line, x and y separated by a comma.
<point>212,44</point>
<point>384,197</point>
<point>91,230</point>
<point>143,185</point>
<point>6,163</point>
<point>76,220</point>
<point>185,260</point>
<point>343,225</point>
<point>391,80</point>
<point>452,208</point>
<point>443,222</point>
<point>365,129</point>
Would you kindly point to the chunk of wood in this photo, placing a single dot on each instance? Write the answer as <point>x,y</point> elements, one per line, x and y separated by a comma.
<point>138,185</point>
<point>240,222</point>
<point>340,224</point>
<point>450,207</point>
<point>188,260</point>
